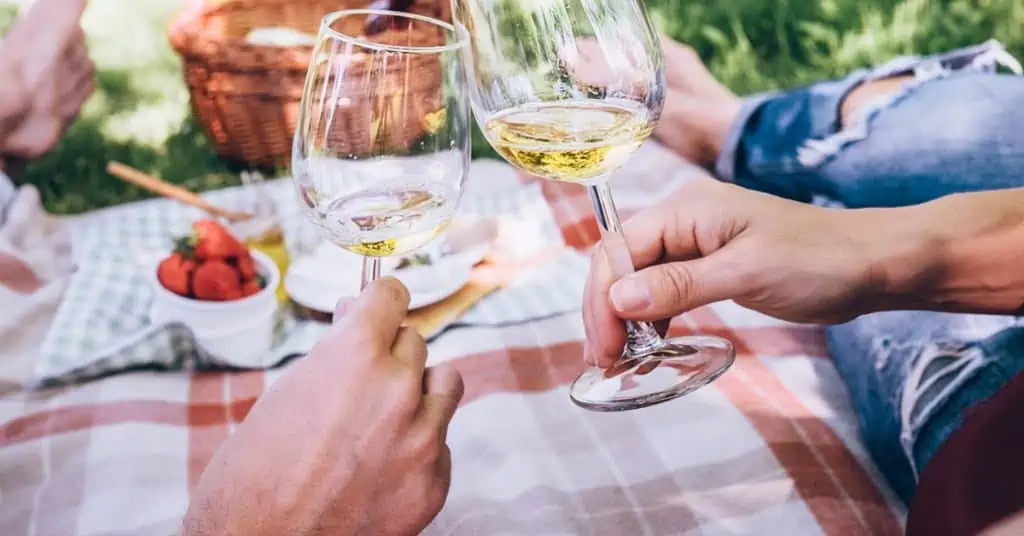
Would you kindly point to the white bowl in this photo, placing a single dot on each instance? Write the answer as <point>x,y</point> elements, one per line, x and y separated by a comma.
<point>236,332</point>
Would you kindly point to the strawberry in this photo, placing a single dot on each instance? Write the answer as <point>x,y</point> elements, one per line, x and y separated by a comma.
<point>251,287</point>
<point>246,266</point>
<point>212,241</point>
<point>175,272</point>
<point>216,280</point>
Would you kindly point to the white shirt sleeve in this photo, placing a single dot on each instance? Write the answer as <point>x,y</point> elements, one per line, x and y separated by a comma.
<point>7,193</point>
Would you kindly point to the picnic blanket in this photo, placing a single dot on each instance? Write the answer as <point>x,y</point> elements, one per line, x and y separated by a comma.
<point>35,266</point>
<point>769,448</point>
<point>103,324</point>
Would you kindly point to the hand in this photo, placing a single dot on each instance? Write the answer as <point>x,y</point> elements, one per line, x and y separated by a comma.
<point>698,110</point>
<point>1011,526</point>
<point>713,241</point>
<point>47,75</point>
<point>351,440</point>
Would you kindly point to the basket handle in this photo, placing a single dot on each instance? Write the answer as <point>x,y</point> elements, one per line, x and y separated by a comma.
<point>376,24</point>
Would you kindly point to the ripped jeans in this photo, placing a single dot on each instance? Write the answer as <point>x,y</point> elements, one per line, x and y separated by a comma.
<point>956,127</point>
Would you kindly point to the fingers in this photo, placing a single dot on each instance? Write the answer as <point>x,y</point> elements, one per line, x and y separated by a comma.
<point>35,139</point>
<point>666,233</point>
<point>426,440</point>
<point>442,390</point>
<point>77,66</point>
<point>443,380</point>
<point>76,95</point>
<point>410,348</point>
<point>50,25</point>
<point>667,290</point>
<point>379,310</point>
<point>60,15</point>
<point>605,331</point>
<point>341,308</point>
<point>645,237</point>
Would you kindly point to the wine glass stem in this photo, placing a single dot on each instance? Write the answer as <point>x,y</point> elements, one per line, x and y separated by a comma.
<point>371,271</point>
<point>641,337</point>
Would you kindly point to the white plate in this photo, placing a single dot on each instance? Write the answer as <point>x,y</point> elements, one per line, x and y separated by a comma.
<point>319,280</point>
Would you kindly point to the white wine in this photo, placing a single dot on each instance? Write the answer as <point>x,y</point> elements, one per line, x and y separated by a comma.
<point>389,219</point>
<point>573,140</point>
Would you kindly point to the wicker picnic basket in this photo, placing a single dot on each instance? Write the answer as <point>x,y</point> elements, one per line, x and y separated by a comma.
<point>246,96</point>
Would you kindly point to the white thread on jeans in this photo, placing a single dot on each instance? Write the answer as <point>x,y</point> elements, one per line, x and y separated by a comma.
<point>965,361</point>
<point>1004,58</point>
<point>997,55</point>
<point>815,152</point>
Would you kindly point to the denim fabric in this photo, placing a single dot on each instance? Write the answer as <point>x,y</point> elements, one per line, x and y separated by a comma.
<point>950,131</point>
<point>954,128</point>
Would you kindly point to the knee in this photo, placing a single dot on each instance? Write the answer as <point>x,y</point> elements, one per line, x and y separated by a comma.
<point>854,103</point>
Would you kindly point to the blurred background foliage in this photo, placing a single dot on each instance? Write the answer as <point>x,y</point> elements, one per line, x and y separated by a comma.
<point>140,113</point>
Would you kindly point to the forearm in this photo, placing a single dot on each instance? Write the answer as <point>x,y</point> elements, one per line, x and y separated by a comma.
<point>960,253</point>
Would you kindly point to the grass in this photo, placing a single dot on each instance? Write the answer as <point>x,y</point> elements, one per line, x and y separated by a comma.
<point>140,113</point>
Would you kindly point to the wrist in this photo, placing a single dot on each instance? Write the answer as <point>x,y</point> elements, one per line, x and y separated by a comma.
<point>720,122</point>
<point>959,253</point>
<point>905,252</point>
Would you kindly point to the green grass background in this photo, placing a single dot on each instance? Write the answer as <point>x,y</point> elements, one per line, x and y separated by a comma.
<point>140,114</point>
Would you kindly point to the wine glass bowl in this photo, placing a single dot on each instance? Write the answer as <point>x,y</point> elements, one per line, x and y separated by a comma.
<point>381,149</point>
<point>568,91</point>
<point>566,99</point>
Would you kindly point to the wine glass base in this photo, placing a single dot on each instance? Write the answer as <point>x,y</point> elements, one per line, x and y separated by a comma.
<point>679,366</point>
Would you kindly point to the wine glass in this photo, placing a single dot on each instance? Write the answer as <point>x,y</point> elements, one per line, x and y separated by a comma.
<point>568,90</point>
<point>382,144</point>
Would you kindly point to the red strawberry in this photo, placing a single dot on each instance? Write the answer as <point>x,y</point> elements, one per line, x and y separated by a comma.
<point>246,266</point>
<point>174,274</point>
<point>250,288</point>
<point>216,280</point>
<point>213,241</point>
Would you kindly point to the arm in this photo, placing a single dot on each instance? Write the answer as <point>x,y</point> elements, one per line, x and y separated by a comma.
<point>350,440</point>
<point>962,253</point>
<point>714,241</point>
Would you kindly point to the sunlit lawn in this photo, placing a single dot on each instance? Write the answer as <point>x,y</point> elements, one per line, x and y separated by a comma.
<point>140,113</point>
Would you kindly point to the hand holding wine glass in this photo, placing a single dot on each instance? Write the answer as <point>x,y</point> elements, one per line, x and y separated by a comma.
<point>568,91</point>
<point>382,145</point>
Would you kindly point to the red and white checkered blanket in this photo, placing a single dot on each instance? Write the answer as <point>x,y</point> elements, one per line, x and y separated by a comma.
<point>770,448</point>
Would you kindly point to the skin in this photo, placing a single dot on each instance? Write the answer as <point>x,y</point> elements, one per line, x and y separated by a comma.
<point>351,440</point>
<point>47,76</point>
<point>714,241</point>
<point>1011,527</point>
<point>699,110</point>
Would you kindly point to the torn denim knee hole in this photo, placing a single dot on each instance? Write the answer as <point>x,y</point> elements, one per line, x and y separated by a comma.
<point>987,57</point>
<point>938,370</point>
<point>816,152</point>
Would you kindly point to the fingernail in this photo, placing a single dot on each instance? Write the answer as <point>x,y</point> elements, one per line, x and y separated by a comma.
<point>629,295</point>
<point>340,308</point>
<point>588,357</point>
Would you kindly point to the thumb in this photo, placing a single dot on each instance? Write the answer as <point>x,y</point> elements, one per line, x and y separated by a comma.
<point>667,290</point>
<point>341,308</point>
